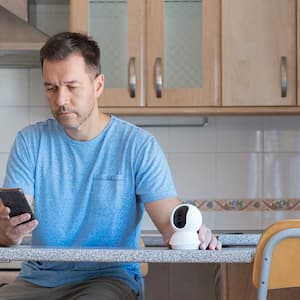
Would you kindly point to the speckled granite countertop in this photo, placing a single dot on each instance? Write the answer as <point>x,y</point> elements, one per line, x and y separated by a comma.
<point>238,248</point>
<point>155,255</point>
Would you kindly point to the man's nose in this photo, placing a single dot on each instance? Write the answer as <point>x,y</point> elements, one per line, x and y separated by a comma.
<point>63,96</point>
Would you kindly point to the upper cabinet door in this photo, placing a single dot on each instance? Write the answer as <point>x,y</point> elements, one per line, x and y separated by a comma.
<point>118,28</point>
<point>259,52</point>
<point>183,53</point>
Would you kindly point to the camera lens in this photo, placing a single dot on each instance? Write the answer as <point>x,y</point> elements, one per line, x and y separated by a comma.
<point>179,218</point>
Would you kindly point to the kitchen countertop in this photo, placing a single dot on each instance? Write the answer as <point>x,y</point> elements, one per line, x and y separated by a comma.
<point>238,248</point>
<point>154,255</point>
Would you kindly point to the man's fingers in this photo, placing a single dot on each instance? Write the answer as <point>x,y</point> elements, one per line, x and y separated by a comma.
<point>208,240</point>
<point>24,229</point>
<point>4,212</point>
<point>17,220</point>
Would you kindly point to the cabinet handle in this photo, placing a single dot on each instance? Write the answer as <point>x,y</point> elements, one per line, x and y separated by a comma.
<point>158,77</point>
<point>132,77</point>
<point>283,75</point>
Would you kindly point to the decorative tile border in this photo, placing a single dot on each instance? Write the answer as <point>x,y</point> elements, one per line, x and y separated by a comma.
<point>247,204</point>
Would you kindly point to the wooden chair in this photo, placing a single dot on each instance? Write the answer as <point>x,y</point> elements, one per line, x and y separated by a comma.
<point>277,258</point>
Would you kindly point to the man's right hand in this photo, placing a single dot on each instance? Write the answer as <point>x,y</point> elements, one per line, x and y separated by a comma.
<point>12,231</point>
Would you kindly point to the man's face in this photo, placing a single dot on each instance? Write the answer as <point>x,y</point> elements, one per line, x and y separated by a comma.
<point>72,92</point>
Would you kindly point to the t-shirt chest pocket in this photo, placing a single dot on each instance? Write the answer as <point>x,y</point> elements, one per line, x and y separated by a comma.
<point>108,191</point>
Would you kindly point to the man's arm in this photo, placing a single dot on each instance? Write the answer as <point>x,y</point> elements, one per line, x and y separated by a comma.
<point>160,212</point>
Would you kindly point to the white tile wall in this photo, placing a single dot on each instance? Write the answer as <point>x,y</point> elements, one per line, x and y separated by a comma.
<point>282,134</point>
<point>3,161</point>
<point>12,119</point>
<point>194,175</point>
<point>282,175</point>
<point>37,96</point>
<point>239,134</point>
<point>238,175</point>
<point>270,217</point>
<point>14,87</point>
<point>238,221</point>
<point>192,140</point>
<point>237,157</point>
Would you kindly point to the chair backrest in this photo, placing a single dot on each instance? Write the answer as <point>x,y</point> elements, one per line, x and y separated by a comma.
<point>285,258</point>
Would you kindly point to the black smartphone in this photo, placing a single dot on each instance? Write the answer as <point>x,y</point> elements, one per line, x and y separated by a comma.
<point>15,199</point>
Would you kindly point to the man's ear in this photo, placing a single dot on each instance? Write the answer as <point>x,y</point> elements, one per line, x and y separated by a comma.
<point>99,84</point>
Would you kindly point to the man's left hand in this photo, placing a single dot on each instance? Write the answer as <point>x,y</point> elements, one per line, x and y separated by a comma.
<point>208,240</point>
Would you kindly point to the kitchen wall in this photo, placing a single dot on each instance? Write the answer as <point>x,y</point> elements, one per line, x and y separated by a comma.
<point>243,172</point>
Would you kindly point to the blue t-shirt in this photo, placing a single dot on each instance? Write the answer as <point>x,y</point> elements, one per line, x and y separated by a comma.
<point>87,194</point>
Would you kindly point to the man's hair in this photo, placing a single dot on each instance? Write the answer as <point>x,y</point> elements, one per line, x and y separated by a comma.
<point>61,45</point>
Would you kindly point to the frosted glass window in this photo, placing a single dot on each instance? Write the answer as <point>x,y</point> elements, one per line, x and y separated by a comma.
<point>108,26</point>
<point>183,44</point>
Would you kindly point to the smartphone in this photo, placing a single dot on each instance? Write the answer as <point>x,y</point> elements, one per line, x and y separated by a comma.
<point>15,199</point>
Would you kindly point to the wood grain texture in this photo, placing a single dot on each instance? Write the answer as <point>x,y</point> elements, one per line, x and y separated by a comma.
<point>79,16</point>
<point>255,35</point>
<point>254,110</point>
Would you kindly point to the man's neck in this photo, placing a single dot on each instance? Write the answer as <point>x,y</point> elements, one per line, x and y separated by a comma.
<point>89,131</point>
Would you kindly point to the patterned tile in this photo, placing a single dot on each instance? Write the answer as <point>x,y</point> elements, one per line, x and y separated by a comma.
<point>247,204</point>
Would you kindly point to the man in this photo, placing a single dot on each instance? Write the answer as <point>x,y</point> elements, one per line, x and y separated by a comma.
<point>90,176</point>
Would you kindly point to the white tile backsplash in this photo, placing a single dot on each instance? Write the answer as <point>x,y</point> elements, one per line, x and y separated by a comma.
<point>193,139</point>
<point>147,223</point>
<point>14,87</point>
<point>238,175</point>
<point>37,94</point>
<point>270,217</point>
<point>238,221</point>
<point>239,134</point>
<point>12,119</point>
<point>282,134</point>
<point>281,175</point>
<point>3,162</point>
<point>194,175</point>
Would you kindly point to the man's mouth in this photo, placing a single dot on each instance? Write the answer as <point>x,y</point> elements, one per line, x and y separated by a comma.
<point>62,112</point>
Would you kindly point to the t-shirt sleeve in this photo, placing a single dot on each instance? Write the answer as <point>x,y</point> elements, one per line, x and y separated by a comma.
<point>20,167</point>
<point>153,177</point>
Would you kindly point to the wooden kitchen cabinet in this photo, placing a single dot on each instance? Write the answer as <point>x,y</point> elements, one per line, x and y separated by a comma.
<point>259,52</point>
<point>155,54</point>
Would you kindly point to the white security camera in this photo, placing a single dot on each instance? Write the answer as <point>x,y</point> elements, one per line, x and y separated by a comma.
<point>186,219</point>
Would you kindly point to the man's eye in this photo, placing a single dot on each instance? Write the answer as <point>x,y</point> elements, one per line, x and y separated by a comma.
<point>50,88</point>
<point>72,87</point>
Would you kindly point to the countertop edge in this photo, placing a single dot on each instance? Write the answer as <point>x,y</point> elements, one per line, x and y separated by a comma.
<point>154,255</point>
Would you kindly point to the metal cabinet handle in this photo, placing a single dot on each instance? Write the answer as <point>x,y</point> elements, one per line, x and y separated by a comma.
<point>158,77</point>
<point>283,75</point>
<point>132,77</point>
